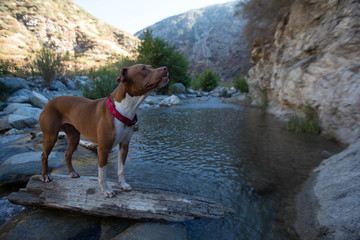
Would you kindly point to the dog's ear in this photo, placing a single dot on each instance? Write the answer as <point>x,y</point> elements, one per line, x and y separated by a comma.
<point>123,75</point>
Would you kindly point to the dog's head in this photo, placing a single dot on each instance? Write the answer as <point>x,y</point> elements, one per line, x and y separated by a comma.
<point>140,79</point>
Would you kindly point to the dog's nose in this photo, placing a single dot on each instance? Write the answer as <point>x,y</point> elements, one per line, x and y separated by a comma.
<point>164,68</point>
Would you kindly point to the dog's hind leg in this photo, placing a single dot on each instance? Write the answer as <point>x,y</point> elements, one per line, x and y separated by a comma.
<point>73,138</point>
<point>49,141</point>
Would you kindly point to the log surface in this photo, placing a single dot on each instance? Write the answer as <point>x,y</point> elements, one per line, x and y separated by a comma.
<point>84,195</point>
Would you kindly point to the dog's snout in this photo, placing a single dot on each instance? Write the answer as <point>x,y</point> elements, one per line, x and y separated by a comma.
<point>164,69</point>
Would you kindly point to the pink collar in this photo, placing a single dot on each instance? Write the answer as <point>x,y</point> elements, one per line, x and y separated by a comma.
<point>119,116</point>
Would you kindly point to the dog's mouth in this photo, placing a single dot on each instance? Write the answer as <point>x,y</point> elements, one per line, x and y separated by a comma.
<point>159,84</point>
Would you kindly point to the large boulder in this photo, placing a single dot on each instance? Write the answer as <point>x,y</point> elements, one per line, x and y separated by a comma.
<point>12,107</point>
<point>20,167</point>
<point>57,86</point>
<point>50,224</point>
<point>169,101</point>
<point>14,83</point>
<point>21,115</point>
<point>38,100</point>
<point>20,96</point>
<point>21,121</point>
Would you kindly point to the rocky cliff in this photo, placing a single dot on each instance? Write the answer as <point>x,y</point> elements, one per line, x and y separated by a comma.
<point>209,38</point>
<point>315,62</point>
<point>26,25</point>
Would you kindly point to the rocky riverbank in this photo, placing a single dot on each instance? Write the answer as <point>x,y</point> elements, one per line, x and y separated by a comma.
<point>328,205</point>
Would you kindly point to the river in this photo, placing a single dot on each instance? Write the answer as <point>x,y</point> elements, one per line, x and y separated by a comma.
<point>235,155</point>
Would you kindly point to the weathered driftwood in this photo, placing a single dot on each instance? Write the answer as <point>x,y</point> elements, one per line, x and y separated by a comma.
<point>84,195</point>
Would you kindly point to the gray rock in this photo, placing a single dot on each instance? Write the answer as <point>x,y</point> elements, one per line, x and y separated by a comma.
<point>50,224</point>
<point>38,100</point>
<point>12,107</point>
<point>14,131</point>
<point>154,231</point>
<point>57,86</point>
<point>169,101</point>
<point>19,168</point>
<point>4,124</point>
<point>70,84</point>
<point>21,121</point>
<point>20,96</point>
<point>14,83</point>
<point>338,191</point>
<point>177,88</point>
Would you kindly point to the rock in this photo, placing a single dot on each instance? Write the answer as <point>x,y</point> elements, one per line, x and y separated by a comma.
<point>21,121</point>
<point>38,100</point>
<point>57,86</point>
<point>154,231</point>
<point>20,167</point>
<point>70,84</point>
<point>13,132</point>
<point>338,192</point>
<point>20,96</point>
<point>314,61</point>
<point>177,88</point>
<point>3,105</point>
<point>4,124</point>
<point>82,80</point>
<point>12,107</point>
<point>169,101</point>
<point>14,83</point>
<point>50,224</point>
<point>89,145</point>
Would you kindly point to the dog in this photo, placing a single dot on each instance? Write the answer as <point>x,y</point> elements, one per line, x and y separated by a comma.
<point>105,121</point>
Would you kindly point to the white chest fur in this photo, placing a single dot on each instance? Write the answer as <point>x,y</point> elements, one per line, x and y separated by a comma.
<point>126,107</point>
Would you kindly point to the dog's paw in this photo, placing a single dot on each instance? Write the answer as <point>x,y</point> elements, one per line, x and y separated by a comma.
<point>46,178</point>
<point>109,193</point>
<point>74,175</point>
<point>125,186</point>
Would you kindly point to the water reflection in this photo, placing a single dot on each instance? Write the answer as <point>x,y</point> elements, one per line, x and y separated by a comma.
<point>237,156</point>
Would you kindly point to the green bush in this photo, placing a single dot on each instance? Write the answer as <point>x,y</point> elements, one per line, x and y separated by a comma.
<point>48,64</point>
<point>7,67</point>
<point>206,81</point>
<point>241,84</point>
<point>308,124</point>
<point>157,52</point>
<point>104,80</point>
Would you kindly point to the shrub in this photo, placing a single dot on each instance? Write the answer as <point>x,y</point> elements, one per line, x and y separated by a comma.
<point>7,67</point>
<point>308,124</point>
<point>206,81</point>
<point>48,64</point>
<point>262,17</point>
<point>241,84</point>
<point>103,80</point>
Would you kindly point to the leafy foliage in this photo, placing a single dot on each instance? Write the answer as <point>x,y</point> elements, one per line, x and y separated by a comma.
<point>262,18</point>
<point>103,80</point>
<point>206,81</point>
<point>157,52</point>
<point>48,63</point>
<point>241,84</point>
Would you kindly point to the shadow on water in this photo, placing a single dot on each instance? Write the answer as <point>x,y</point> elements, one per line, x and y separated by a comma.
<point>240,157</point>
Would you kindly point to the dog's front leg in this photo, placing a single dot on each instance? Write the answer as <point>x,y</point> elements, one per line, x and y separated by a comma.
<point>102,169</point>
<point>122,154</point>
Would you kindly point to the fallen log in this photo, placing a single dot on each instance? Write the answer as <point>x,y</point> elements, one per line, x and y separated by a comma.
<point>84,195</point>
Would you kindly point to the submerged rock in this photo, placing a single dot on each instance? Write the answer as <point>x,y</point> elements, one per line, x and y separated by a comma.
<point>154,231</point>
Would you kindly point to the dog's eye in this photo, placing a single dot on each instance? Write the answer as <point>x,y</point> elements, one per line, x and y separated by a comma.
<point>143,69</point>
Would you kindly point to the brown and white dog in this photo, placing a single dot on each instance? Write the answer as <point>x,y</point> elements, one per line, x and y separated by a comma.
<point>96,120</point>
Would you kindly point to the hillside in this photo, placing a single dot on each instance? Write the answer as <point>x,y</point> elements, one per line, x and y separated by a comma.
<point>62,25</point>
<point>209,38</point>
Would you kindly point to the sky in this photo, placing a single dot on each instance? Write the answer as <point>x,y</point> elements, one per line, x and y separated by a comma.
<point>134,15</point>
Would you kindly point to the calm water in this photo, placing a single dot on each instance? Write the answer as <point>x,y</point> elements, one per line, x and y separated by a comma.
<point>240,157</point>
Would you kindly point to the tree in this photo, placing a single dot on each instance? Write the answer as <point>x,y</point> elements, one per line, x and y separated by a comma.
<point>157,52</point>
<point>206,81</point>
<point>262,18</point>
